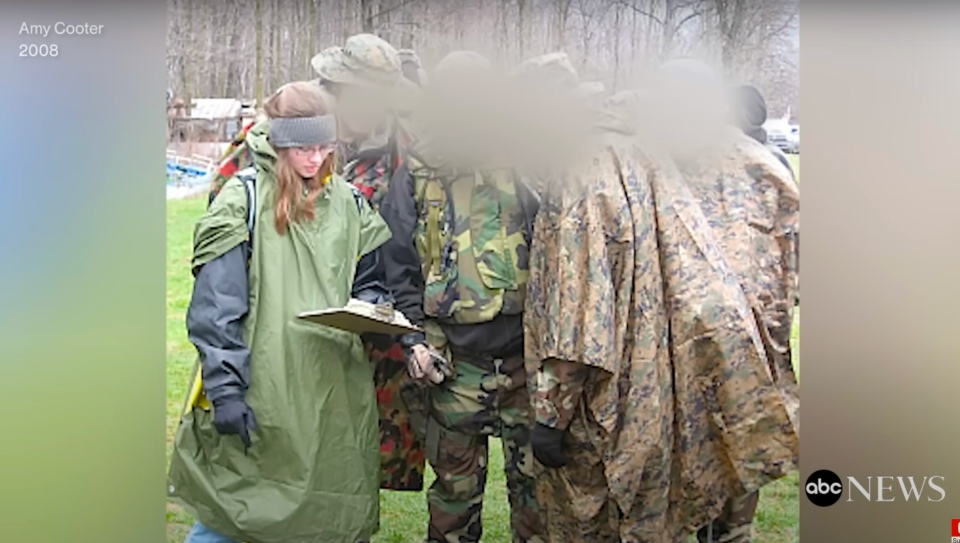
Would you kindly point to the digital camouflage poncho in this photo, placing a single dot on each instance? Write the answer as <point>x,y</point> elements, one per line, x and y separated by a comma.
<point>753,205</point>
<point>679,412</point>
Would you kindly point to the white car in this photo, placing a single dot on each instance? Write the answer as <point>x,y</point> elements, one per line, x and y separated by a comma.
<point>793,140</point>
<point>784,135</point>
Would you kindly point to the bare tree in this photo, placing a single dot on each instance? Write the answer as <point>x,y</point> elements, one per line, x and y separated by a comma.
<point>562,15</point>
<point>743,26</point>
<point>259,23</point>
<point>366,11</point>
<point>235,48</point>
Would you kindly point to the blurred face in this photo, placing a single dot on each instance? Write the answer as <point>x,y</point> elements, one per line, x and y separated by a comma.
<point>361,109</point>
<point>306,161</point>
<point>688,116</point>
<point>463,115</point>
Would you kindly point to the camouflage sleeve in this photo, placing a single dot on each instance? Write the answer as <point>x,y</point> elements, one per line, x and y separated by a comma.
<point>559,387</point>
<point>788,232</point>
<point>575,310</point>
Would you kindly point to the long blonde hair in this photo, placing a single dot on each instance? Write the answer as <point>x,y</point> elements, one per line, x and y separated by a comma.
<point>293,204</point>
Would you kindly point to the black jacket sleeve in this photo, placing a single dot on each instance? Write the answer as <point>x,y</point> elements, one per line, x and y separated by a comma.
<point>530,203</point>
<point>404,277</point>
<point>221,300</point>
<point>370,281</point>
<point>370,285</point>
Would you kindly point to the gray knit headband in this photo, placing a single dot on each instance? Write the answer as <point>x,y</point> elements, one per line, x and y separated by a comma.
<point>302,131</point>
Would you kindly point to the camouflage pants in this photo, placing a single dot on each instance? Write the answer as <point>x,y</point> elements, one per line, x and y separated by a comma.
<point>574,500</point>
<point>576,503</point>
<point>488,397</point>
<point>735,524</point>
<point>402,454</point>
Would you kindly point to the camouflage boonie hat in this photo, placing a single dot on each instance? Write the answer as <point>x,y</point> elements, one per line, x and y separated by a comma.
<point>364,60</point>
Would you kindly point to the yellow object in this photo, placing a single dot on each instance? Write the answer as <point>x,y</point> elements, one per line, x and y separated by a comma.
<point>197,398</point>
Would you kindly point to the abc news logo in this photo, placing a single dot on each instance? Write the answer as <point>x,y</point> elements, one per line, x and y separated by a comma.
<point>824,488</point>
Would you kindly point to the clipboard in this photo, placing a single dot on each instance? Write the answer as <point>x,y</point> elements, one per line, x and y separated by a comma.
<point>362,317</point>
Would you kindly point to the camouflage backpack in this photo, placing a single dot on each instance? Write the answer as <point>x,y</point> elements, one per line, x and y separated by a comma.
<point>472,237</point>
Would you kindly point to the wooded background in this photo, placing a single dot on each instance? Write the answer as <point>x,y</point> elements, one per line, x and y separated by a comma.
<point>247,48</point>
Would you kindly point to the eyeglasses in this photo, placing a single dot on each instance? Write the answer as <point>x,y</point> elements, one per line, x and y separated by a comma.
<point>305,152</point>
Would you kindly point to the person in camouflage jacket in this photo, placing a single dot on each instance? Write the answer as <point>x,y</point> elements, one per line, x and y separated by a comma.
<point>363,77</point>
<point>639,342</point>
<point>752,204</point>
<point>457,265</point>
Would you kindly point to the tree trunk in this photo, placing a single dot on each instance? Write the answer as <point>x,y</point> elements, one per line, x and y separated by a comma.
<point>384,22</point>
<point>563,10</point>
<point>730,21</point>
<point>669,22</point>
<point>259,74</point>
<point>187,57</point>
<point>504,43</point>
<point>312,24</point>
<point>408,28</point>
<point>616,47</point>
<point>276,31</point>
<point>521,26</point>
<point>212,60</point>
<point>366,13</point>
<point>585,29</point>
<point>230,88</point>
<point>293,39</point>
<point>346,19</point>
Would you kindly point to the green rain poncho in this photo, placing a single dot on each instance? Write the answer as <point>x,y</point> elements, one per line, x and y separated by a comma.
<point>312,474</point>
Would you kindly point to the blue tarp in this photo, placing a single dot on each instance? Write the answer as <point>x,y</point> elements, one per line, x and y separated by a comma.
<point>189,175</point>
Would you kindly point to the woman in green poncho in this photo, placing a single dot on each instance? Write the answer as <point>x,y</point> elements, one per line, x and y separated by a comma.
<point>280,444</point>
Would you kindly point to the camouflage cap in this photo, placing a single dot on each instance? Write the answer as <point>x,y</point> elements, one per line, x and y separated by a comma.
<point>365,59</point>
<point>551,68</point>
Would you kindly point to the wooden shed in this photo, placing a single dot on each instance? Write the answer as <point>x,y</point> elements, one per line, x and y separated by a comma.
<point>208,120</point>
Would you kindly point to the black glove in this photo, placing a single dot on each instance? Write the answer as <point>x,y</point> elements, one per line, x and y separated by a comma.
<point>546,443</point>
<point>232,416</point>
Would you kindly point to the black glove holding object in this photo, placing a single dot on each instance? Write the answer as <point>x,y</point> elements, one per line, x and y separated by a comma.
<point>547,445</point>
<point>232,416</point>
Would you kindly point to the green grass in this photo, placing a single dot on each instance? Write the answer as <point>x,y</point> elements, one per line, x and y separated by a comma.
<point>403,517</point>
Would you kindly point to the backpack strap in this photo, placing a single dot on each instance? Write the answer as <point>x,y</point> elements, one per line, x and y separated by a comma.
<point>360,200</point>
<point>434,196</point>
<point>248,176</point>
<point>358,197</point>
